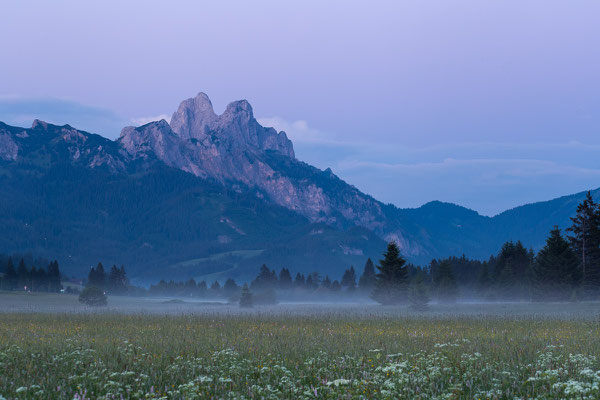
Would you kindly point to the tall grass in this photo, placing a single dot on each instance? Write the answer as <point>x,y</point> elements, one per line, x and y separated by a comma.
<point>66,356</point>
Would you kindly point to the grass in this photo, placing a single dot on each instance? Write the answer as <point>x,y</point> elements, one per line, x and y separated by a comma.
<point>230,259</point>
<point>182,352</point>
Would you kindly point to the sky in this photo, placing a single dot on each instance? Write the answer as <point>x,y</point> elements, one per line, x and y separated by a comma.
<point>487,104</point>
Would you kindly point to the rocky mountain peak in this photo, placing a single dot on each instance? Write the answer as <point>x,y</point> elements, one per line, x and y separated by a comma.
<point>236,128</point>
<point>39,125</point>
<point>239,109</point>
<point>193,117</point>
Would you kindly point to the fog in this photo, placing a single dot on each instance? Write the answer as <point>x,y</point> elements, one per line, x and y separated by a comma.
<point>316,307</point>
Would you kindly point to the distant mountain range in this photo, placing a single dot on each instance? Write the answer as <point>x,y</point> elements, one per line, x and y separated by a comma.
<point>210,196</point>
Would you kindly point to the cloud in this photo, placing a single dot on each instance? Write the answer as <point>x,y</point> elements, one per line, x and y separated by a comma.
<point>299,131</point>
<point>145,120</point>
<point>21,111</point>
<point>514,167</point>
<point>489,185</point>
<point>486,176</point>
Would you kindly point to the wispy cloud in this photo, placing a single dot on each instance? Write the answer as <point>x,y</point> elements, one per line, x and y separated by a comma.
<point>145,120</point>
<point>486,176</point>
<point>515,167</point>
<point>300,132</point>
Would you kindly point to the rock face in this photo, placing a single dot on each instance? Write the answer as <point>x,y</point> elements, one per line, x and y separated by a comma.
<point>236,128</point>
<point>234,147</point>
<point>60,144</point>
<point>8,147</point>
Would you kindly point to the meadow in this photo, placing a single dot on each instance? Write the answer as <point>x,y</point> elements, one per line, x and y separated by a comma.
<point>53,348</point>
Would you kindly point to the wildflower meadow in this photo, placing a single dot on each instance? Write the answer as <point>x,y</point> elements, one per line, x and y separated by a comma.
<point>298,355</point>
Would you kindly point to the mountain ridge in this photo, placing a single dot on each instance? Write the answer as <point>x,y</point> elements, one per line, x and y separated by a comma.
<point>232,151</point>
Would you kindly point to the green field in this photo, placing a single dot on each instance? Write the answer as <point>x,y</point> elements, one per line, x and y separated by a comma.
<point>149,348</point>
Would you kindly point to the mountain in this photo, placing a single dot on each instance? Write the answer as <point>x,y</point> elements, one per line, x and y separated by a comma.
<point>210,195</point>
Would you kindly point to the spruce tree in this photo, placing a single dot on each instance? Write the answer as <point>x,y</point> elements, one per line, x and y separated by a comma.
<point>54,284</point>
<point>446,287</point>
<point>335,286</point>
<point>191,288</point>
<point>418,297</point>
<point>368,277</point>
<point>114,280</point>
<point>202,289</point>
<point>483,281</point>
<point>123,276</point>
<point>285,279</point>
<point>10,276</point>
<point>557,270</point>
<point>23,276</point>
<point>585,240</point>
<point>266,279</point>
<point>100,277</point>
<point>392,279</point>
<point>299,281</point>
<point>511,271</point>
<point>246,297</point>
<point>316,279</point>
<point>230,287</point>
<point>349,278</point>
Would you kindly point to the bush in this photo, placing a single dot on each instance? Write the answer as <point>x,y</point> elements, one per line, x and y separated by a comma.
<point>92,296</point>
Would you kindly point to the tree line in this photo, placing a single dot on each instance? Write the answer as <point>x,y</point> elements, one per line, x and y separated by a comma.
<point>29,277</point>
<point>566,268</point>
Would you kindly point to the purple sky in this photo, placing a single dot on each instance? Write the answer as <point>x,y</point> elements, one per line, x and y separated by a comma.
<point>489,104</point>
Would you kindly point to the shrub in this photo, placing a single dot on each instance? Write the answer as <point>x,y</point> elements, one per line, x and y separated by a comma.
<point>92,296</point>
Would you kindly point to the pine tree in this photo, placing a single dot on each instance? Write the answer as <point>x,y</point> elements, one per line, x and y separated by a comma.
<point>39,280</point>
<point>114,280</point>
<point>445,283</point>
<point>512,271</point>
<point>335,286</point>
<point>23,277</point>
<point>97,277</point>
<point>100,277</point>
<point>54,284</point>
<point>202,289</point>
<point>266,279</point>
<point>285,279</point>
<point>246,297</point>
<point>349,278</point>
<point>483,281</point>
<point>392,279</point>
<point>299,281</point>
<point>585,240</point>
<point>123,276</point>
<point>230,287</point>
<point>368,277</point>
<point>557,271</point>
<point>418,296</point>
<point>10,277</point>
<point>190,288</point>
<point>326,282</point>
